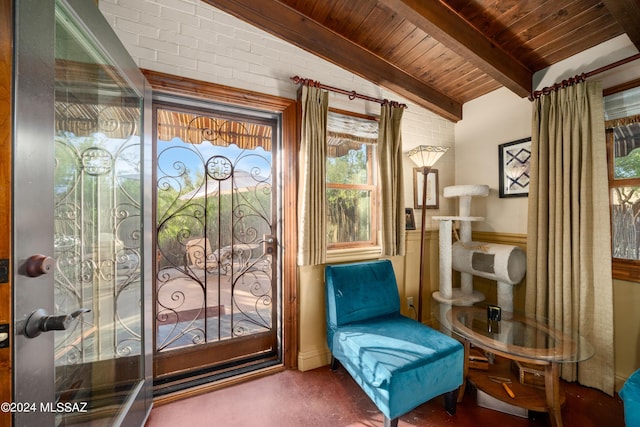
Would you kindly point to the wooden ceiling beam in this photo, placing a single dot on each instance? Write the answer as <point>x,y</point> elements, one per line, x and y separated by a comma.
<point>627,13</point>
<point>285,23</point>
<point>457,34</point>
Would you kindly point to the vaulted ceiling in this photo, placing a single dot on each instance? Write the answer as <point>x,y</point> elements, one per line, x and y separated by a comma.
<point>442,53</point>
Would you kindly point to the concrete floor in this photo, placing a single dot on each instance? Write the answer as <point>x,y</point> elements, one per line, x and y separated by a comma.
<point>321,398</point>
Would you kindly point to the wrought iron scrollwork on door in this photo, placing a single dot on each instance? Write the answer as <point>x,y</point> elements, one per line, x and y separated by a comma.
<point>97,246</point>
<point>214,205</point>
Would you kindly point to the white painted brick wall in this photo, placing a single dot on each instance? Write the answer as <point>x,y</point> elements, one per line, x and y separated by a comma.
<point>189,38</point>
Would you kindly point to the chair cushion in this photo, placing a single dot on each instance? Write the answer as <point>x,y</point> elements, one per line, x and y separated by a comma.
<point>399,362</point>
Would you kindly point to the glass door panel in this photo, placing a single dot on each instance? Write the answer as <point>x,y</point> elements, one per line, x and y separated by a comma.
<point>89,185</point>
<point>216,283</point>
<point>97,224</point>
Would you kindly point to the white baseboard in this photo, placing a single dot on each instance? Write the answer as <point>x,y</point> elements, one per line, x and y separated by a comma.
<point>313,359</point>
<point>619,382</point>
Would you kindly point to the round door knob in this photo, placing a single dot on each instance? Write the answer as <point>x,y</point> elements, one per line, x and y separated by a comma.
<point>37,265</point>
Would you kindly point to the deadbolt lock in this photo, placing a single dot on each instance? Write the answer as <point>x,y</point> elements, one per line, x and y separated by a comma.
<point>269,244</point>
<point>37,265</point>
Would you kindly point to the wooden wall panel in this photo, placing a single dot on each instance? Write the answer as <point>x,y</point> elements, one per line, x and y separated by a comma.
<point>6,61</point>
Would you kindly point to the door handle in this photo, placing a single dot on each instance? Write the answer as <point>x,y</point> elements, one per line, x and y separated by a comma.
<point>40,321</point>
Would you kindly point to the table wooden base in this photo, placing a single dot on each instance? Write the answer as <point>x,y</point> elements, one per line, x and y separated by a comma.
<point>549,398</point>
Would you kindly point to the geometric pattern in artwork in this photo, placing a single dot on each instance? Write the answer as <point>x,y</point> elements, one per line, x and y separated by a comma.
<point>517,168</point>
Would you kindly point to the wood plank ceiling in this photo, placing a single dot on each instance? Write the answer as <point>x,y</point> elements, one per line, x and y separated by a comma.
<point>441,54</point>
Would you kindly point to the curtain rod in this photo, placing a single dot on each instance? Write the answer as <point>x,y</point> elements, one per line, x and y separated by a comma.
<point>351,94</point>
<point>581,77</point>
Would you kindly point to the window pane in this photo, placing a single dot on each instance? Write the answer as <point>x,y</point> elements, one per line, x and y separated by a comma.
<point>349,167</point>
<point>626,150</point>
<point>622,104</point>
<point>350,177</point>
<point>348,215</point>
<point>626,227</point>
<point>622,118</point>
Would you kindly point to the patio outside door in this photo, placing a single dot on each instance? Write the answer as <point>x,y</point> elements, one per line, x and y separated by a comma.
<point>82,220</point>
<point>217,282</point>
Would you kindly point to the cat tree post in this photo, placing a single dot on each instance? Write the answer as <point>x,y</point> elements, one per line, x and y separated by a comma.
<point>465,295</point>
<point>505,264</point>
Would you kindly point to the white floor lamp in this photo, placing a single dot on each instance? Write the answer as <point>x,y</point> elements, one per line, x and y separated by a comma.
<point>425,156</point>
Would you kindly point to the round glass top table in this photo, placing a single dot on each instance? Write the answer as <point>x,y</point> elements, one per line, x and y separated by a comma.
<point>534,346</point>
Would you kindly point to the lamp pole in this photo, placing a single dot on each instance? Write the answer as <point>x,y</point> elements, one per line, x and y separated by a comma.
<point>425,172</point>
<point>424,156</point>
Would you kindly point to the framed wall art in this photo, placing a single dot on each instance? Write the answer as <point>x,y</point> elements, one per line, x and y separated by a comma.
<point>514,160</point>
<point>432,188</point>
<point>409,219</point>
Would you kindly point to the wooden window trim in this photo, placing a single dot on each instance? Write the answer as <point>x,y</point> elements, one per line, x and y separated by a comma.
<point>625,269</point>
<point>621,269</point>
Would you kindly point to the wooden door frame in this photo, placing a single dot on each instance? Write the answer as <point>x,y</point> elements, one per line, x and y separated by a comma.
<point>175,85</point>
<point>6,118</point>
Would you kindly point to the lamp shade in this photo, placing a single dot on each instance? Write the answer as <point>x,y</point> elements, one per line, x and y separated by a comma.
<point>426,155</point>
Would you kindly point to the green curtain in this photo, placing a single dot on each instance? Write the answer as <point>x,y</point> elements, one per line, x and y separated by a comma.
<point>312,210</point>
<point>569,278</point>
<point>390,181</point>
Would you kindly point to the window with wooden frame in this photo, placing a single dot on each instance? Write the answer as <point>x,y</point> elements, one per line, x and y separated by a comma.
<point>622,125</point>
<point>351,180</point>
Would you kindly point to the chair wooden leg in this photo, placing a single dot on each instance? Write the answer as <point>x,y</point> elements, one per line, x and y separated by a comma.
<point>390,423</point>
<point>450,401</point>
<point>334,363</point>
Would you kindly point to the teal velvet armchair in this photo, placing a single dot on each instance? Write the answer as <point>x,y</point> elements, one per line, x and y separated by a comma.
<point>397,361</point>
